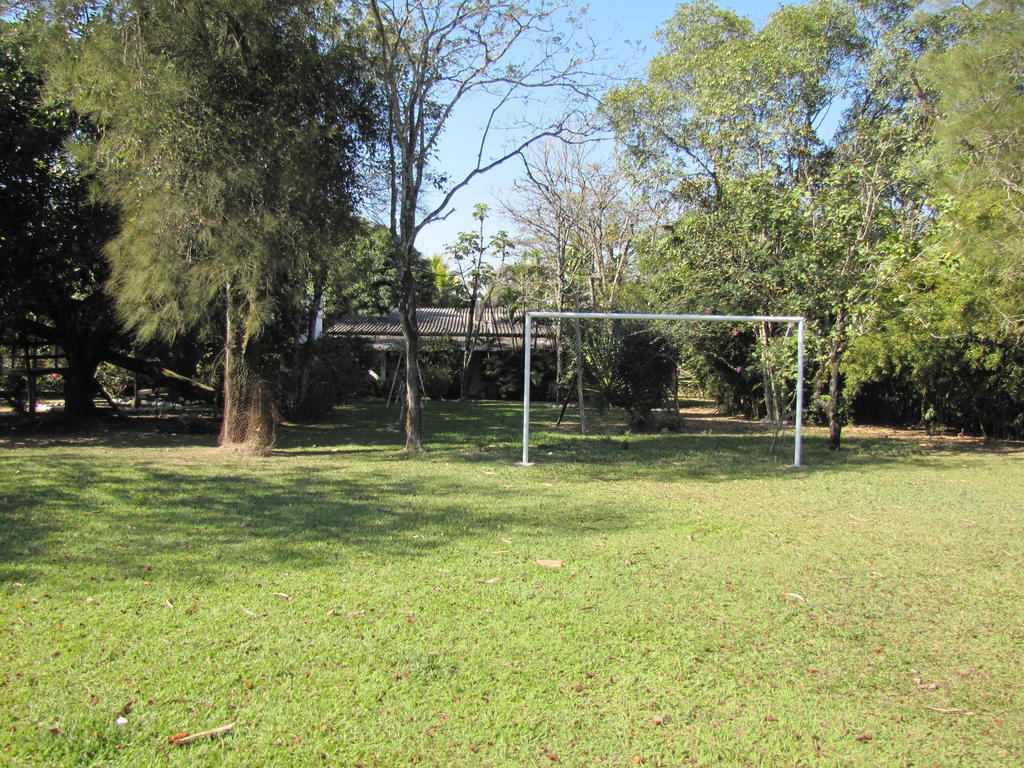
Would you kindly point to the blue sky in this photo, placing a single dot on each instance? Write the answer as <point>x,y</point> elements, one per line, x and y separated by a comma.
<point>613,21</point>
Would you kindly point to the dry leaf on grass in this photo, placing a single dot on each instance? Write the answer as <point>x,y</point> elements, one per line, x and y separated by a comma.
<point>282,595</point>
<point>184,737</point>
<point>550,563</point>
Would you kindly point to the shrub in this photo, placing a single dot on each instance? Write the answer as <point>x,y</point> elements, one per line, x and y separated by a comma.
<point>337,371</point>
<point>631,365</point>
<point>440,367</point>
<point>643,372</point>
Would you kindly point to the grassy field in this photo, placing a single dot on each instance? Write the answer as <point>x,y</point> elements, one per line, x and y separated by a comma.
<point>346,606</point>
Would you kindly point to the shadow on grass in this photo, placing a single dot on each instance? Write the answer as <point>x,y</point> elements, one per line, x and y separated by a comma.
<point>115,520</point>
<point>196,513</point>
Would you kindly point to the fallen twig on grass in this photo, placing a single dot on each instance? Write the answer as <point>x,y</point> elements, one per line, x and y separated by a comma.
<point>187,738</point>
<point>942,711</point>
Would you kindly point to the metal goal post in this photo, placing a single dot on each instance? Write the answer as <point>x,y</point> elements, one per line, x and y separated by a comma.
<point>800,330</point>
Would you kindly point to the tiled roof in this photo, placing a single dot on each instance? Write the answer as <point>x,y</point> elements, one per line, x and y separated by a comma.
<point>493,323</point>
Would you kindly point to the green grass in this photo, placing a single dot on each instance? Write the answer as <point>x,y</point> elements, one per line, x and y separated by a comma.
<point>138,577</point>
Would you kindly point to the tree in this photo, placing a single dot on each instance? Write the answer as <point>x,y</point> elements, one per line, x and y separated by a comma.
<point>361,276</point>
<point>433,56</point>
<point>584,220</point>
<point>978,154</point>
<point>477,278</point>
<point>51,264</point>
<point>782,218</point>
<point>572,203</point>
<point>950,353</point>
<point>866,223</point>
<point>547,210</point>
<point>446,284</point>
<point>230,136</point>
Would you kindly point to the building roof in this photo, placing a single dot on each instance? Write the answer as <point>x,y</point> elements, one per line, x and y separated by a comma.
<point>496,326</point>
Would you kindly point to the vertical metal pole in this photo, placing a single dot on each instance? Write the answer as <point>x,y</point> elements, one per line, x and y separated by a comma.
<point>527,343</point>
<point>799,421</point>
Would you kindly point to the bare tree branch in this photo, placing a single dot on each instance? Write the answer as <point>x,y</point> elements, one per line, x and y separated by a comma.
<point>434,55</point>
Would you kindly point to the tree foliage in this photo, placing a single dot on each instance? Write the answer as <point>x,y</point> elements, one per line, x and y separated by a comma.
<point>229,138</point>
<point>978,154</point>
<point>782,217</point>
<point>51,265</point>
<point>362,278</point>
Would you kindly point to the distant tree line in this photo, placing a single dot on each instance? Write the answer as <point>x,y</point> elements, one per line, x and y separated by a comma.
<point>857,163</point>
<point>188,186</point>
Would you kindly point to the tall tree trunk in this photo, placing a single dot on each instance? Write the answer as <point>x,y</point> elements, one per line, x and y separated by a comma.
<point>411,334</point>
<point>84,353</point>
<point>232,428</point>
<point>261,411</point>
<point>833,407</point>
<point>559,307</point>
<point>80,383</point>
<point>413,395</point>
<point>579,375</point>
<point>768,378</point>
<point>467,353</point>
<point>304,351</point>
<point>250,417</point>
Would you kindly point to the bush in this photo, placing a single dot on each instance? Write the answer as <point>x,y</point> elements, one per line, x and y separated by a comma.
<point>116,381</point>
<point>503,373</point>
<point>644,371</point>
<point>440,367</point>
<point>630,365</point>
<point>721,359</point>
<point>337,371</point>
<point>972,383</point>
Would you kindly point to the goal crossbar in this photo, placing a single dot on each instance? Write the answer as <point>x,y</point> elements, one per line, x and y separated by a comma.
<point>789,319</point>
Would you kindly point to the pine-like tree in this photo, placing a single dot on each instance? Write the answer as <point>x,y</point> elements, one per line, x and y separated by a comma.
<point>230,138</point>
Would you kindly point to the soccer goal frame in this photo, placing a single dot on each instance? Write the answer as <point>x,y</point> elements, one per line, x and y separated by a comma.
<point>790,320</point>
